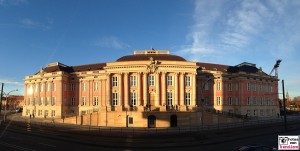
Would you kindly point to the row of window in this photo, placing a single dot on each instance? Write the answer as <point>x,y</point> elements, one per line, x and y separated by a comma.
<point>40,113</point>
<point>41,101</point>
<point>42,87</point>
<point>261,101</point>
<point>250,87</point>
<point>262,112</point>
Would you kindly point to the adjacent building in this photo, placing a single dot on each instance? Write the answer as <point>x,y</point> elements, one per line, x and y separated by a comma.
<point>150,85</point>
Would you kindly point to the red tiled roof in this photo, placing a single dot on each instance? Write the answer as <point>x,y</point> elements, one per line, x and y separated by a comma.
<point>210,66</point>
<point>142,57</point>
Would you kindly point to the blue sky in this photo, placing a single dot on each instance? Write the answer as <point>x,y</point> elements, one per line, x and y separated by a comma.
<point>34,33</point>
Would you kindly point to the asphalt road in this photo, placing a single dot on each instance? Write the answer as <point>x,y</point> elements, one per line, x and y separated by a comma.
<point>28,137</point>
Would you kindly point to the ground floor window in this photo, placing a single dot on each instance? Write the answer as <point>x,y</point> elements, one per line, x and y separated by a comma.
<point>40,113</point>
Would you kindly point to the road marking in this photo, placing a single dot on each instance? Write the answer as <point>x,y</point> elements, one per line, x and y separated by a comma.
<point>15,146</point>
<point>47,145</point>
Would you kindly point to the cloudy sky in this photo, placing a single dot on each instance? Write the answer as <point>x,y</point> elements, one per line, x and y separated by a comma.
<point>75,32</point>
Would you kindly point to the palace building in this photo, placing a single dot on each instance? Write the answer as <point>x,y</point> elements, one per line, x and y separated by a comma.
<point>149,88</point>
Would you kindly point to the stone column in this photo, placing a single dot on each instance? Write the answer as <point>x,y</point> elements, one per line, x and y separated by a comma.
<point>193,98</point>
<point>182,93</point>
<point>176,88</point>
<point>145,84</point>
<point>156,89</point>
<point>108,90</point>
<point>139,86</point>
<point>126,88</point>
<point>120,93</point>
<point>164,88</point>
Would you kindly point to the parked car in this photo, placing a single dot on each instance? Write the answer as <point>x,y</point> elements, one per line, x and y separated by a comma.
<point>19,110</point>
<point>256,148</point>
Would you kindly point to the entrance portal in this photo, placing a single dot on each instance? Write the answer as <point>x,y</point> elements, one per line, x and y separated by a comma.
<point>151,121</point>
<point>173,121</point>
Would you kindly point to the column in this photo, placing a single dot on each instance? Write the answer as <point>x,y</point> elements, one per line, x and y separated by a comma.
<point>120,93</point>
<point>108,90</point>
<point>176,88</point>
<point>139,83</point>
<point>145,84</point>
<point>126,88</point>
<point>182,93</point>
<point>156,89</point>
<point>164,89</point>
<point>193,98</point>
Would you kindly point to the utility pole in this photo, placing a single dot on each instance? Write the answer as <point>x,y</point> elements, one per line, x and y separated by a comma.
<point>1,97</point>
<point>284,107</point>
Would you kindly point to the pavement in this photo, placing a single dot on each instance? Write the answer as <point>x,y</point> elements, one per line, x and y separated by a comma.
<point>150,138</point>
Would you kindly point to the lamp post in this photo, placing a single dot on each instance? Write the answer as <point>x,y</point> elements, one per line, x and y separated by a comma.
<point>4,118</point>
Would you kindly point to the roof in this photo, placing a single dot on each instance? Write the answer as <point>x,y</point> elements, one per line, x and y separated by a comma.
<point>210,66</point>
<point>143,57</point>
<point>70,69</point>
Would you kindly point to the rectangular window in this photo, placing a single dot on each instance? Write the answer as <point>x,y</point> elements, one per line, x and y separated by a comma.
<point>73,101</point>
<point>187,81</point>
<point>169,80</point>
<point>187,100</point>
<point>248,87</point>
<point>236,101</point>
<point>83,101</point>
<point>229,100</point>
<point>207,85</point>
<point>133,98</point>
<point>261,101</point>
<point>151,80</point>
<point>248,100</point>
<point>260,88</point>
<point>132,81</point>
<point>46,113</point>
<point>53,101</point>
<point>95,86</point>
<point>114,99</point>
<point>254,112</point>
<point>96,102</point>
<point>40,112</point>
<point>83,86</point>
<point>229,86</point>
<point>52,113</point>
<point>72,86</point>
<point>169,98</point>
<point>271,88</point>
<point>248,112</point>
<point>254,101</point>
<point>219,100</point>
<point>261,112</point>
<point>266,88</point>
<point>115,81</point>
<point>218,86</point>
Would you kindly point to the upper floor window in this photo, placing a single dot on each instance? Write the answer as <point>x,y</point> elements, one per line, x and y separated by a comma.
<point>133,98</point>
<point>169,80</point>
<point>271,88</point>
<point>248,100</point>
<point>169,98</point>
<point>83,86</point>
<point>95,86</point>
<point>73,101</point>
<point>254,87</point>
<point>132,80</point>
<point>72,86</point>
<point>260,87</point>
<point>207,85</point>
<point>266,88</point>
<point>218,86</point>
<point>96,102</point>
<point>248,87</point>
<point>187,100</point>
<point>151,80</point>
<point>254,100</point>
<point>114,99</point>
<point>229,100</point>
<point>84,101</point>
<point>219,100</point>
<point>187,81</point>
<point>229,86</point>
<point>115,81</point>
<point>261,101</point>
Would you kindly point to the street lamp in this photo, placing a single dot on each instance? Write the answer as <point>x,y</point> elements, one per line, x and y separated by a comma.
<point>7,94</point>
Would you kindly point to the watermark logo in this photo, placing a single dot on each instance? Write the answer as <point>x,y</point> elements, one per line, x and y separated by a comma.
<point>288,142</point>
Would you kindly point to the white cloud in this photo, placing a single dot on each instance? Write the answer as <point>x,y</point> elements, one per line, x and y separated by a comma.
<point>29,23</point>
<point>111,42</point>
<point>11,82</point>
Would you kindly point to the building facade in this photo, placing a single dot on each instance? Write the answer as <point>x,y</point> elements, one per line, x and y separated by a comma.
<point>150,81</point>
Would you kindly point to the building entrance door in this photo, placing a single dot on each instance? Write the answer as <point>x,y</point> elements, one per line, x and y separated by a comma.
<point>151,121</point>
<point>173,121</point>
